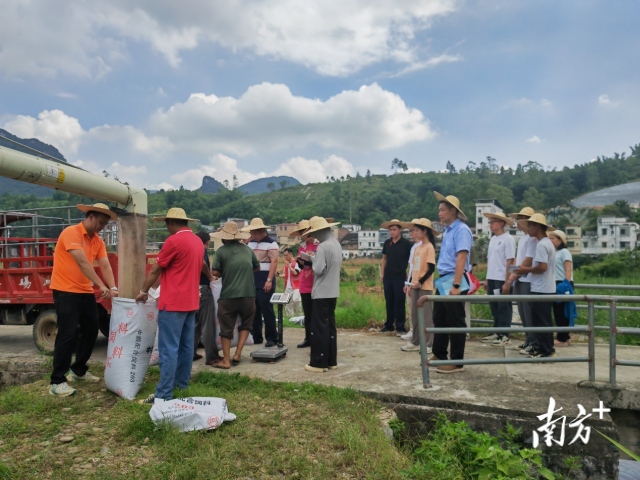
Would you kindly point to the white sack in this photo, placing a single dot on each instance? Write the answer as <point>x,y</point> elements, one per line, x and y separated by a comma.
<point>131,333</point>
<point>216,288</point>
<point>155,355</point>
<point>192,413</point>
<point>297,320</point>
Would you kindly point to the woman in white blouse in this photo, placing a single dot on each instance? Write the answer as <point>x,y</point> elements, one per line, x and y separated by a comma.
<point>564,271</point>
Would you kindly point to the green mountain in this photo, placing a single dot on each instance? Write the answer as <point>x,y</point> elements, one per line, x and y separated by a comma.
<point>261,185</point>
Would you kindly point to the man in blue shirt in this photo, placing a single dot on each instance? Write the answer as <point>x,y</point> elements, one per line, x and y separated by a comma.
<point>453,260</point>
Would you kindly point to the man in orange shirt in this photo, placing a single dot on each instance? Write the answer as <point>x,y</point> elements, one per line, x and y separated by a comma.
<point>72,283</point>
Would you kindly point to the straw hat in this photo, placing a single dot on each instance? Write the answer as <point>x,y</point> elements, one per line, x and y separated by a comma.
<point>98,207</point>
<point>395,221</point>
<point>538,218</point>
<point>453,201</point>
<point>560,234</point>
<point>230,231</point>
<point>256,224</point>
<point>319,223</point>
<point>525,212</point>
<point>425,222</point>
<point>175,214</point>
<point>302,226</point>
<point>499,216</point>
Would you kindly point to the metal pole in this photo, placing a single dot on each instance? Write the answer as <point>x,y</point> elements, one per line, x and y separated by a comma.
<point>612,344</point>
<point>280,321</point>
<point>423,347</point>
<point>592,346</point>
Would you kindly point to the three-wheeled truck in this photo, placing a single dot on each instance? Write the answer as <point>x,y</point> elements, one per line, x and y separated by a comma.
<point>26,263</point>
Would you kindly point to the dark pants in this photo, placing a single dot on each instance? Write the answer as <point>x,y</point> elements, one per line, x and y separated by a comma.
<point>264,311</point>
<point>324,341</point>
<point>524,309</point>
<point>561,319</point>
<point>541,317</point>
<point>74,310</point>
<point>307,309</point>
<point>395,299</point>
<point>501,311</point>
<point>449,315</point>
<point>205,320</point>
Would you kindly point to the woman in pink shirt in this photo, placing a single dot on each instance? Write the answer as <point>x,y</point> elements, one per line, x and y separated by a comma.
<point>309,246</point>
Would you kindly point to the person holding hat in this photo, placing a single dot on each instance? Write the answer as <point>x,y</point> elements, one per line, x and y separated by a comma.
<point>396,251</point>
<point>457,242</point>
<point>309,245</point>
<point>543,282</point>
<point>72,282</point>
<point>501,255</point>
<point>424,266</point>
<point>522,283</point>
<point>179,265</point>
<point>326,289</point>
<point>268,253</point>
<point>564,273</point>
<point>236,264</point>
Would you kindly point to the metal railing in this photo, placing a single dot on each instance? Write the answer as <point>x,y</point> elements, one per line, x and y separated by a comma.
<point>589,329</point>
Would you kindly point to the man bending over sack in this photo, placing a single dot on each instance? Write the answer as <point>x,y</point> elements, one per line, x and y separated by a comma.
<point>180,263</point>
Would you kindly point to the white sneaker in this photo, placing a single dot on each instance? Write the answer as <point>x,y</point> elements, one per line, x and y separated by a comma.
<point>61,390</point>
<point>87,377</point>
<point>490,338</point>
<point>407,336</point>
<point>502,341</point>
<point>410,347</point>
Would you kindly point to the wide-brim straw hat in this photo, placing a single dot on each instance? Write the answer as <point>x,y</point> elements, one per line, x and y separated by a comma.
<point>560,234</point>
<point>453,201</point>
<point>525,212</point>
<point>302,226</point>
<point>540,219</point>
<point>98,207</point>
<point>256,224</point>
<point>319,223</point>
<point>175,214</point>
<point>230,231</point>
<point>425,222</point>
<point>395,221</point>
<point>499,216</point>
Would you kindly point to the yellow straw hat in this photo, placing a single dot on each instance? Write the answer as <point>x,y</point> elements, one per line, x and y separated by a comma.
<point>540,219</point>
<point>525,212</point>
<point>230,231</point>
<point>98,207</point>
<point>560,234</point>
<point>425,222</point>
<point>395,221</point>
<point>256,224</point>
<point>175,214</point>
<point>499,216</point>
<point>453,201</point>
<point>319,223</point>
<point>302,226</point>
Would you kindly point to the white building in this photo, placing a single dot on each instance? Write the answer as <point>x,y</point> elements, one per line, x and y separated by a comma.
<point>369,242</point>
<point>612,235</point>
<point>352,227</point>
<point>491,205</point>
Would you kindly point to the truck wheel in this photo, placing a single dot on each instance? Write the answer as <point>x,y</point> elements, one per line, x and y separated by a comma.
<point>45,330</point>
<point>104,321</point>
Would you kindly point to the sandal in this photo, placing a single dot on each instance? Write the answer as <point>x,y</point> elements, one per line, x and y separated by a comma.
<point>235,362</point>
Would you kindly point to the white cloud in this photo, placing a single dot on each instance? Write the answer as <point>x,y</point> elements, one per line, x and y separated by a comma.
<point>528,102</point>
<point>430,63</point>
<point>66,95</point>
<point>52,126</point>
<point>219,167</point>
<point>534,139</point>
<point>332,37</point>
<point>606,101</point>
<point>269,117</point>
<point>314,171</point>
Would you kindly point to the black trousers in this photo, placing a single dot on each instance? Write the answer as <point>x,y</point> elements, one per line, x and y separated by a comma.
<point>307,308</point>
<point>541,317</point>
<point>264,311</point>
<point>449,315</point>
<point>74,310</point>
<point>324,337</point>
<point>501,311</point>
<point>561,319</point>
<point>396,301</point>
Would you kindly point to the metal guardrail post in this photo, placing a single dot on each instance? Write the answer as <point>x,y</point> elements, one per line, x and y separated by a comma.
<point>423,348</point>
<point>592,339</point>
<point>613,331</point>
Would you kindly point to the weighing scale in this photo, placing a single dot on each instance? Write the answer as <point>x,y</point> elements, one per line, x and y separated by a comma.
<point>270,354</point>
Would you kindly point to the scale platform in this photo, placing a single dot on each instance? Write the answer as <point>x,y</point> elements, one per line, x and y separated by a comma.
<point>270,354</point>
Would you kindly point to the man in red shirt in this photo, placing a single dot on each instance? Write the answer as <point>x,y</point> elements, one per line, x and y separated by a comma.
<point>179,263</point>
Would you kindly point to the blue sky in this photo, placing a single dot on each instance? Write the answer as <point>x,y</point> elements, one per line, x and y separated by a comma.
<point>161,94</point>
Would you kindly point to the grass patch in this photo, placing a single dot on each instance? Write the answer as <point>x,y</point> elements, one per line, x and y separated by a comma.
<point>282,430</point>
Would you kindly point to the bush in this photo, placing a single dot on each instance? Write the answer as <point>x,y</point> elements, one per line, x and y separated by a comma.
<point>615,264</point>
<point>368,272</point>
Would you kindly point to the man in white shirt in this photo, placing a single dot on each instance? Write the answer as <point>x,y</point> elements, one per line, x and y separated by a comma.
<point>522,284</point>
<point>543,282</point>
<point>501,255</point>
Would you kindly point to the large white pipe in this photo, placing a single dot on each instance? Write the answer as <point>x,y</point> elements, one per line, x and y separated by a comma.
<point>62,176</point>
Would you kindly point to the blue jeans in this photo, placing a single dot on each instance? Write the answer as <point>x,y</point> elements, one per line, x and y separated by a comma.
<point>396,301</point>
<point>175,347</point>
